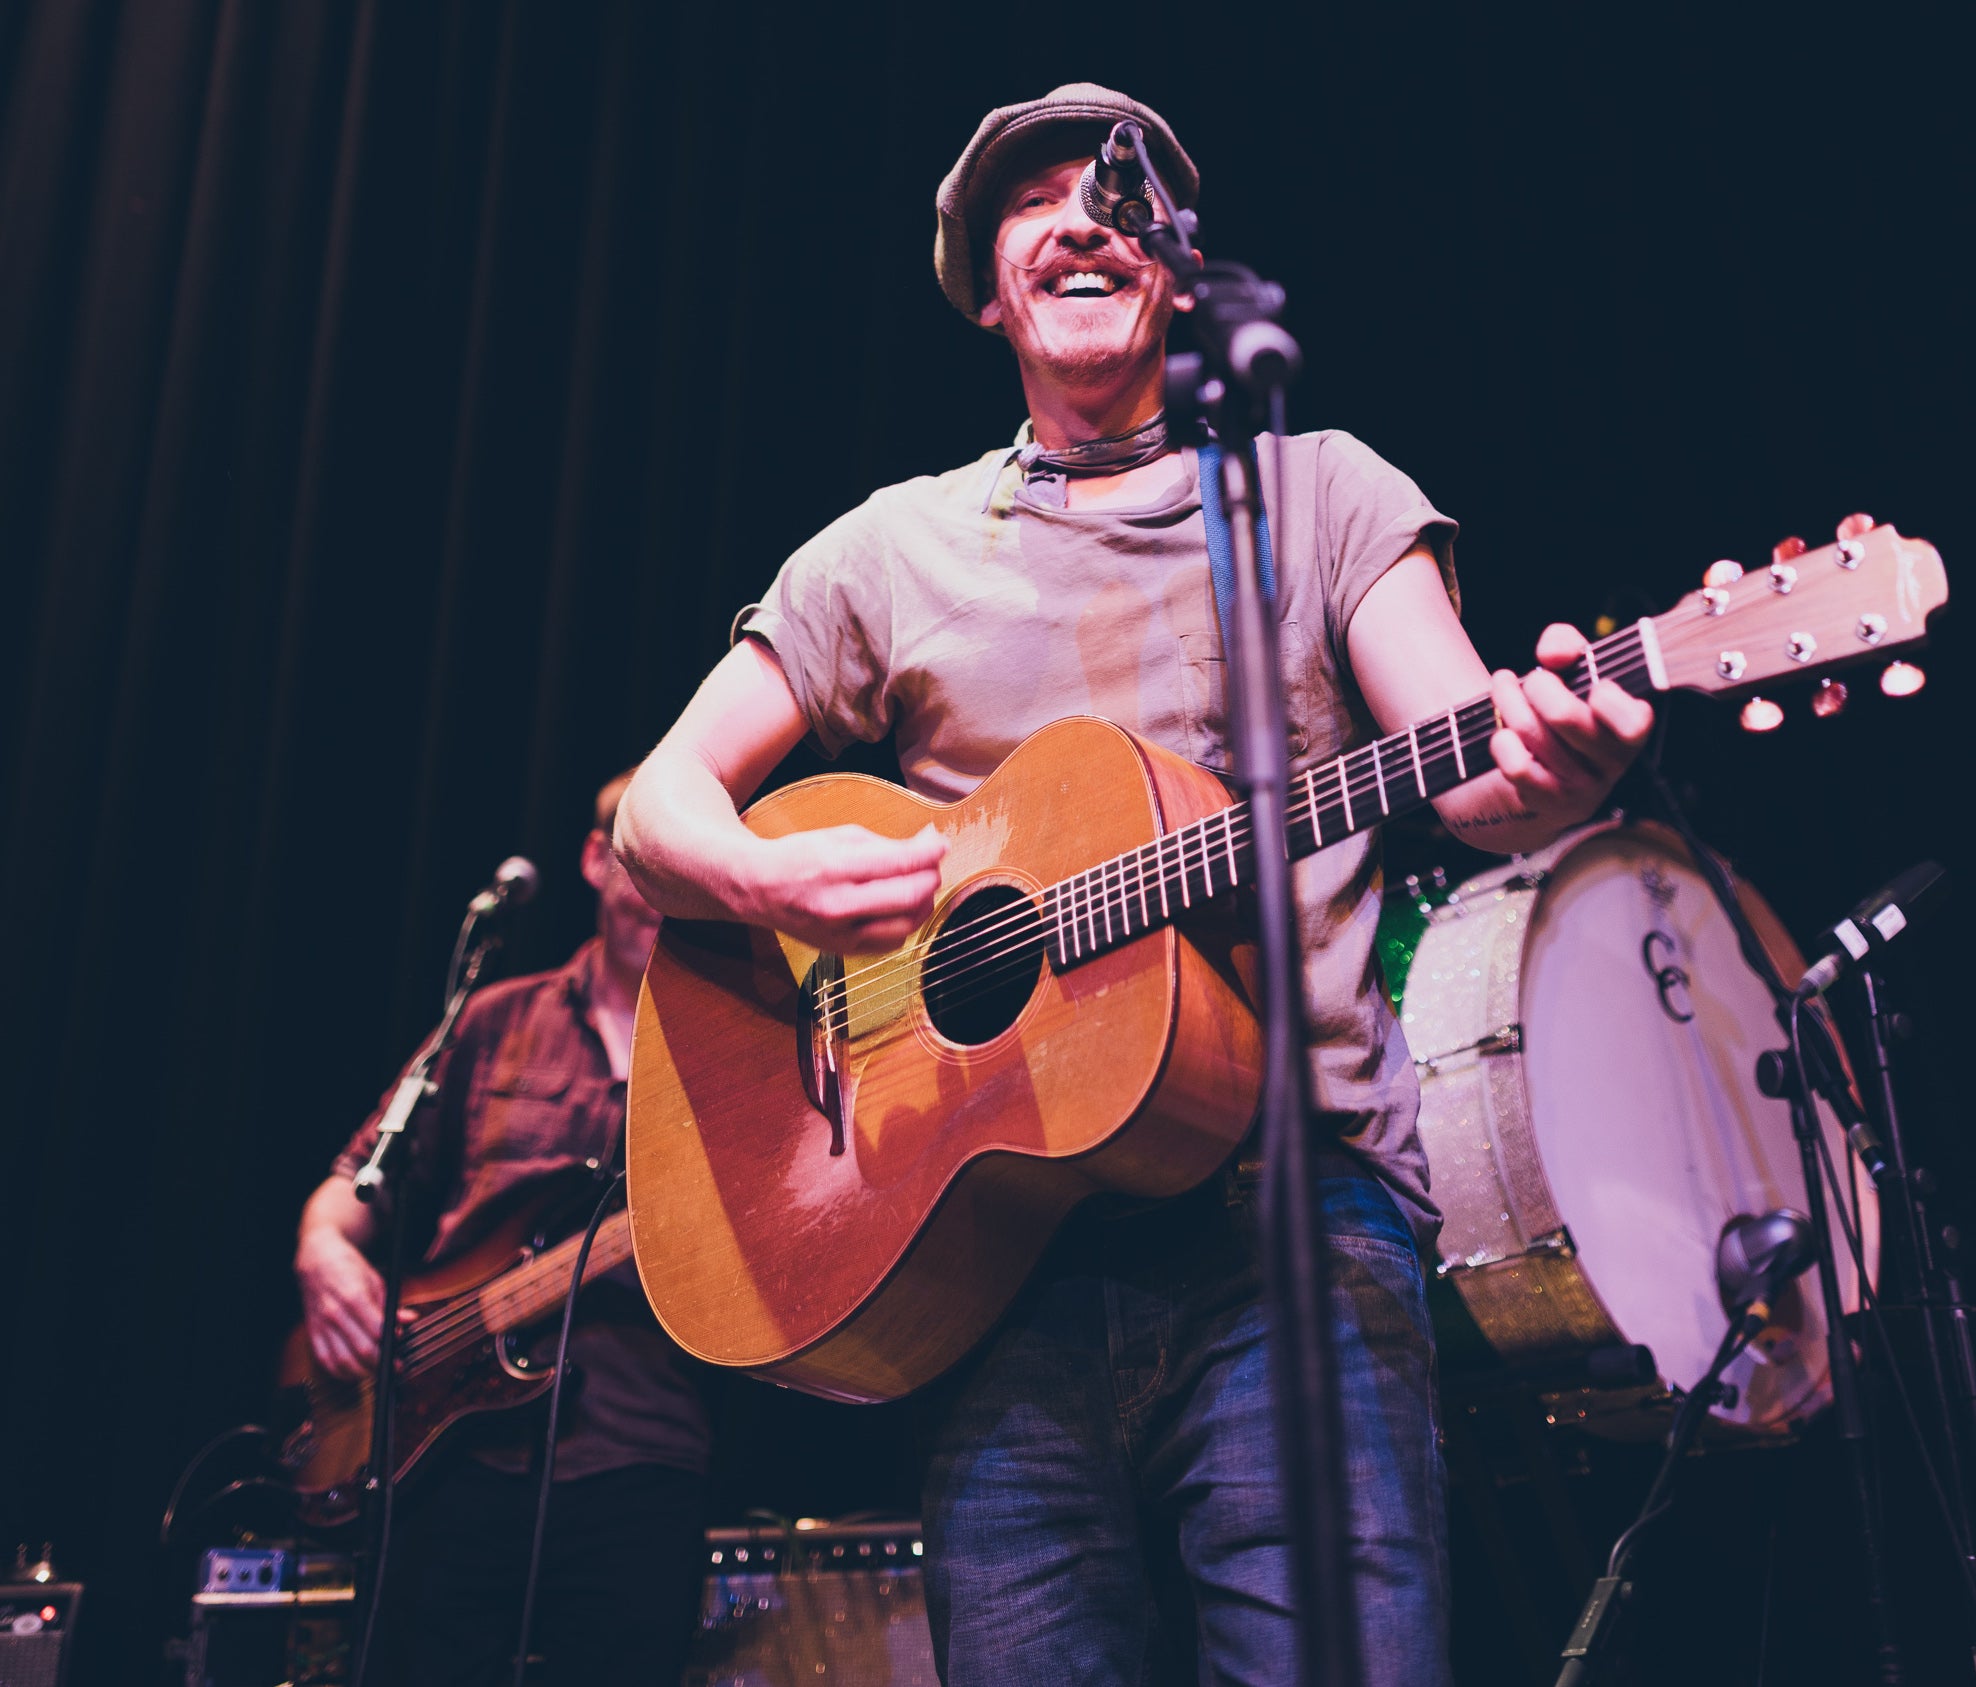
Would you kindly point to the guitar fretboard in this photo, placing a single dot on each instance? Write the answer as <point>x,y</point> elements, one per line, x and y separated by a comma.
<point>530,1290</point>
<point>1119,899</point>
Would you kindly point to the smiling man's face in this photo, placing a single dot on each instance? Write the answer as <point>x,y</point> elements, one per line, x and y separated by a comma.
<point>1082,305</point>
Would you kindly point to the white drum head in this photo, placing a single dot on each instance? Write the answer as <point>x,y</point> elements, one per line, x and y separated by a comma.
<point>1650,1126</point>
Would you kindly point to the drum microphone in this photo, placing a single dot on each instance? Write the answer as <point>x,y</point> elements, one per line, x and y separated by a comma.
<point>514,883</point>
<point>1874,924</point>
<point>1113,187</point>
<point>1758,1253</point>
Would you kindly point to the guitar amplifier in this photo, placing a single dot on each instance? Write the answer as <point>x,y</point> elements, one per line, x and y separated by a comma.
<point>826,1602</point>
<point>36,1621</point>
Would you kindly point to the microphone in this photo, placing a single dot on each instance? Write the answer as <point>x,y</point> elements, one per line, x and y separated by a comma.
<point>1113,187</point>
<point>1874,924</point>
<point>1758,1253</point>
<point>514,883</point>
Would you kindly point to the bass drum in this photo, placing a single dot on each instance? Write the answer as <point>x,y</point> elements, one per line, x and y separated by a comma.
<point>1586,1033</point>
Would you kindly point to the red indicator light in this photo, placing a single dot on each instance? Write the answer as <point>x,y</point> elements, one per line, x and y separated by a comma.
<point>49,1613</point>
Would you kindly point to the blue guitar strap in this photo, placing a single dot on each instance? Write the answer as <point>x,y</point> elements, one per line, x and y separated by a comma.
<point>1221,549</point>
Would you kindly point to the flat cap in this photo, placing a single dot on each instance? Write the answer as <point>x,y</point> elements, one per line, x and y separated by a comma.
<point>966,197</point>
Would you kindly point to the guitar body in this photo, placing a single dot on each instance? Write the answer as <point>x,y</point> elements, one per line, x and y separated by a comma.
<point>328,1451</point>
<point>858,1248</point>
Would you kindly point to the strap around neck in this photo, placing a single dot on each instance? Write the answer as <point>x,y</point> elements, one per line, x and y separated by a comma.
<point>1221,548</point>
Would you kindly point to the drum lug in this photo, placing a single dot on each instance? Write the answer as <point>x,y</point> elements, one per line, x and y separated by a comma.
<point>1558,1244</point>
<point>1505,1039</point>
<point>1555,1244</point>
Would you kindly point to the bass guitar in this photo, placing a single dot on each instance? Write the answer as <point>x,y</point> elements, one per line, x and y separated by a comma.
<point>464,1355</point>
<point>841,1167</point>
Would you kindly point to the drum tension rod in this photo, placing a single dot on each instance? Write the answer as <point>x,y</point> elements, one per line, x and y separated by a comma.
<point>1505,1039</point>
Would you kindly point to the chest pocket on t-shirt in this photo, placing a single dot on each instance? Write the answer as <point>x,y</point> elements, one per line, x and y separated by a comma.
<point>523,1110</point>
<point>1204,694</point>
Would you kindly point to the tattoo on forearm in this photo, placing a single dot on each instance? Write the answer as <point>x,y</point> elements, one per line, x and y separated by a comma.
<point>1495,817</point>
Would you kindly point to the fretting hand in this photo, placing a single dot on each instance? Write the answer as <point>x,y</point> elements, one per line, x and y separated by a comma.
<point>1561,753</point>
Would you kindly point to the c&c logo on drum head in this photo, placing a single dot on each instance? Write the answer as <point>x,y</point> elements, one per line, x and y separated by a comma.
<point>1665,974</point>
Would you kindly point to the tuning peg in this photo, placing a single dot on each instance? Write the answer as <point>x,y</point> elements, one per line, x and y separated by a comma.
<point>1855,527</point>
<point>1902,679</point>
<point>1724,573</point>
<point>1761,715</point>
<point>1787,550</point>
<point>1829,699</point>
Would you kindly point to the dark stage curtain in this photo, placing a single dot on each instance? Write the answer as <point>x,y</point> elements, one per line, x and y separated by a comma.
<point>397,402</point>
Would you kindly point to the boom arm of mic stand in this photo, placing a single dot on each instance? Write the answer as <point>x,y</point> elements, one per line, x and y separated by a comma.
<point>417,1083</point>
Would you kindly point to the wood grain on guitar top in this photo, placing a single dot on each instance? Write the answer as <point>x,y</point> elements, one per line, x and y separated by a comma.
<point>864,1273</point>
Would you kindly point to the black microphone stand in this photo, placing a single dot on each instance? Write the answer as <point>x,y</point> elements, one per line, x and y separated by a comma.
<point>1236,385</point>
<point>1598,1622</point>
<point>1935,1285</point>
<point>471,950</point>
<point>1777,1075</point>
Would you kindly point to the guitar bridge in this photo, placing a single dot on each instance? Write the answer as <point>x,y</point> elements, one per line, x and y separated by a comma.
<point>823,1041</point>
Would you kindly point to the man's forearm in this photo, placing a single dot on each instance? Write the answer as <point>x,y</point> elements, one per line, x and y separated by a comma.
<point>334,1210</point>
<point>681,841</point>
<point>1487,814</point>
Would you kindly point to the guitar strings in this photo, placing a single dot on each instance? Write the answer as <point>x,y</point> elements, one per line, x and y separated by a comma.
<point>980,967</point>
<point>470,1318</point>
<point>1028,917</point>
<point>1363,783</point>
<point>460,1326</point>
<point>1105,895</point>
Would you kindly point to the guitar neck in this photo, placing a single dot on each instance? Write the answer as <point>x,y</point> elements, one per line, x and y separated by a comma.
<point>1118,899</point>
<point>531,1290</point>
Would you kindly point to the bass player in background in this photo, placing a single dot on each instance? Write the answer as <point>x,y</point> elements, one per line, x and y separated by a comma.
<point>1102,1497</point>
<point>532,1089</point>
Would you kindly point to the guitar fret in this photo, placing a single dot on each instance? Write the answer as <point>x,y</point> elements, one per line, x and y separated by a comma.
<point>1139,859</point>
<point>1344,791</point>
<point>1104,899</point>
<point>1228,834</point>
<point>1413,743</point>
<point>1454,737</point>
<point>1379,775</point>
<point>1310,788</point>
<point>1180,850</point>
<point>1159,861</point>
<point>1063,952</point>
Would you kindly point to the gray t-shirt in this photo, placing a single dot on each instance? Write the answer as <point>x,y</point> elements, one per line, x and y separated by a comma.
<point>963,613</point>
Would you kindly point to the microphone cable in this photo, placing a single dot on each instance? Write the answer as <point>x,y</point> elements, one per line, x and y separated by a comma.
<point>549,1433</point>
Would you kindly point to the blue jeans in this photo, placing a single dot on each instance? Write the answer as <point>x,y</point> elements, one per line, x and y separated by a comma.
<point>1102,1500</point>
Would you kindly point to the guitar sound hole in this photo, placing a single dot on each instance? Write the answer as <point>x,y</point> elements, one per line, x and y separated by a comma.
<point>982,966</point>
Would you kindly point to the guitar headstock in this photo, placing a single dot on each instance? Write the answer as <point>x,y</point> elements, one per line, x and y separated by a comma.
<point>1868,593</point>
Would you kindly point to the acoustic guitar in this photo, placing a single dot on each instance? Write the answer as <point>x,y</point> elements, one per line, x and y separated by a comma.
<point>466,1353</point>
<point>842,1167</point>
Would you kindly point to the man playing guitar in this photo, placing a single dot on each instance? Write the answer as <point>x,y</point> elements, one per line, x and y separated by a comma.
<point>531,1091</point>
<point>1102,1496</point>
